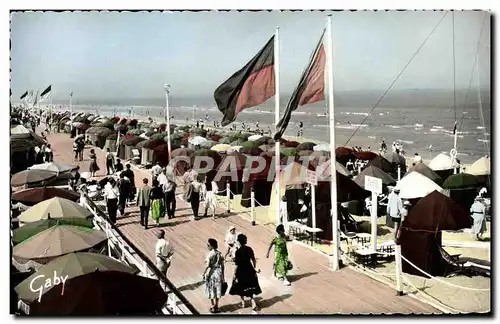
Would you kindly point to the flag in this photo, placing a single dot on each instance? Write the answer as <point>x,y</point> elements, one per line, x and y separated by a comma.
<point>311,87</point>
<point>24,95</point>
<point>35,101</point>
<point>455,128</point>
<point>45,93</point>
<point>71,94</point>
<point>249,87</point>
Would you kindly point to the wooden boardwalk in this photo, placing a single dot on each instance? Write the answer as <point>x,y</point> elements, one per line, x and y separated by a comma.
<point>314,290</point>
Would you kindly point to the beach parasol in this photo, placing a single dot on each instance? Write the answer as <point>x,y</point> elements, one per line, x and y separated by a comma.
<point>57,168</point>
<point>396,159</point>
<point>265,140</point>
<point>30,229</point>
<point>70,266</point>
<point>340,151</point>
<point>442,162</point>
<point>201,163</point>
<point>365,155</point>
<point>221,147</point>
<point>197,140</point>
<point>234,161</point>
<point>323,170</point>
<point>226,140</point>
<point>30,177</point>
<point>103,293</point>
<point>306,146</point>
<point>461,181</point>
<point>414,185</point>
<point>428,172</point>
<point>54,208</point>
<point>289,151</point>
<point>382,163</point>
<point>292,144</point>
<point>56,241</point>
<point>254,137</point>
<point>248,150</point>
<point>236,148</point>
<point>33,196</point>
<point>322,147</point>
<point>479,168</point>
<point>208,144</point>
<point>375,172</point>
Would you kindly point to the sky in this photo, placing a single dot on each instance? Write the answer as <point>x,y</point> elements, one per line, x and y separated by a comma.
<point>109,55</point>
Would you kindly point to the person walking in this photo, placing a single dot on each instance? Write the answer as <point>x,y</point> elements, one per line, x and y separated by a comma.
<point>93,168</point>
<point>231,239</point>
<point>214,275</point>
<point>75,150</point>
<point>394,208</point>
<point>169,187</point>
<point>478,214</point>
<point>210,194</point>
<point>143,202</point>
<point>109,162</point>
<point>156,171</point>
<point>157,202</point>
<point>131,177</point>
<point>111,194</point>
<point>164,252</point>
<point>118,166</point>
<point>49,156</point>
<point>245,280</point>
<point>281,263</point>
<point>124,188</point>
<point>193,196</point>
<point>81,148</point>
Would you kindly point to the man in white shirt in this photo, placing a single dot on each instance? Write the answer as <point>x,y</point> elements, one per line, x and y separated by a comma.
<point>394,207</point>
<point>163,252</point>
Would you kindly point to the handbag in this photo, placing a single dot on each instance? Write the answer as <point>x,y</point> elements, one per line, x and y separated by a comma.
<point>224,288</point>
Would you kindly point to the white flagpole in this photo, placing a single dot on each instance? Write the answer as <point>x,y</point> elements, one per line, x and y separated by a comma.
<point>333,171</point>
<point>277,119</point>
<point>167,116</point>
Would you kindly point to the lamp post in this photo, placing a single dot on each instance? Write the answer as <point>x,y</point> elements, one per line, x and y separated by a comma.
<point>167,117</point>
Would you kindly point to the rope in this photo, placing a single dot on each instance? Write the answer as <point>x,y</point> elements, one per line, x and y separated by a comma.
<point>442,281</point>
<point>432,297</point>
<point>397,78</point>
<point>473,70</point>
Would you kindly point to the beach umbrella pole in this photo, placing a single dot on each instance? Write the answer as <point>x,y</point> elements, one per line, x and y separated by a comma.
<point>167,116</point>
<point>313,205</point>
<point>399,269</point>
<point>277,119</point>
<point>333,171</point>
<point>399,173</point>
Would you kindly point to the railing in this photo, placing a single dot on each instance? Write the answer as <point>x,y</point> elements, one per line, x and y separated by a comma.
<point>176,304</point>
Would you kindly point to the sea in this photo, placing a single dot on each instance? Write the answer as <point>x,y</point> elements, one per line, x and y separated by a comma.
<point>422,121</point>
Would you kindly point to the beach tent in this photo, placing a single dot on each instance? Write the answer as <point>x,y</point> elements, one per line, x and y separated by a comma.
<point>383,164</point>
<point>293,177</point>
<point>415,185</point>
<point>443,165</point>
<point>462,188</point>
<point>479,168</point>
<point>428,172</point>
<point>373,171</point>
<point>420,235</point>
<point>231,170</point>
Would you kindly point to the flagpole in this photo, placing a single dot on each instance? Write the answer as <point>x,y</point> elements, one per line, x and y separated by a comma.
<point>277,119</point>
<point>333,171</point>
<point>167,116</point>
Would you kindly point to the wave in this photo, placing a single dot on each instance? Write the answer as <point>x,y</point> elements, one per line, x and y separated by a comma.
<point>406,142</point>
<point>354,113</point>
<point>437,127</point>
<point>350,126</point>
<point>480,127</point>
<point>483,140</point>
<point>419,125</point>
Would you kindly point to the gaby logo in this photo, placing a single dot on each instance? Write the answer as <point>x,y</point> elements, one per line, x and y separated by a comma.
<point>38,283</point>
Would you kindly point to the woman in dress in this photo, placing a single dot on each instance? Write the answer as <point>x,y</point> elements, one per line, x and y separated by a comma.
<point>478,213</point>
<point>214,275</point>
<point>210,189</point>
<point>194,190</point>
<point>281,263</point>
<point>245,281</point>
<point>93,168</point>
<point>157,202</point>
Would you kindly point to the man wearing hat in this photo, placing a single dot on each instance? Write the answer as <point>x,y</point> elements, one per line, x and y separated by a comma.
<point>394,208</point>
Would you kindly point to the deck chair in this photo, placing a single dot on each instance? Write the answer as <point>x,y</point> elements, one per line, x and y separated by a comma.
<point>454,265</point>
